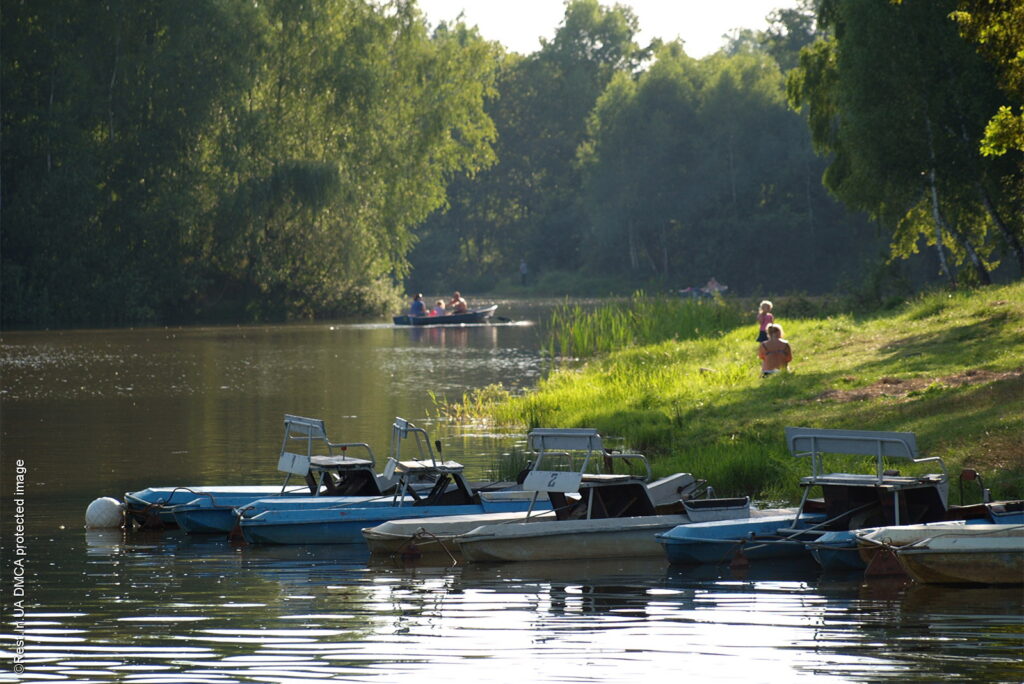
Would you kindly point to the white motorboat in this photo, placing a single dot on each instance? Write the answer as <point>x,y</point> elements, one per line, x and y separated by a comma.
<point>595,515</point>
<point>955,553</point>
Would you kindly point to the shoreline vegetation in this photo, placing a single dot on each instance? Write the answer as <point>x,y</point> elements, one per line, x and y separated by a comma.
<point>679,380</point>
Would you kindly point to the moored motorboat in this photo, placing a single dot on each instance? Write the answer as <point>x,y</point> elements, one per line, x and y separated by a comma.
<point>481,315</point>
<point>972,554</point>
<point>438,535</point>
<point>858,549</point>
<point>848,500</point>
<point>323,520</point>
<point>424,536</point>
<point>595,515</point>
<point>325,466</point>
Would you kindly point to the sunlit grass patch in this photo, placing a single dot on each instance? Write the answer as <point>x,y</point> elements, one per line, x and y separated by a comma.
<point>947,367</point>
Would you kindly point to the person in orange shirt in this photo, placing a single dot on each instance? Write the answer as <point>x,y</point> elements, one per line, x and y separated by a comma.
<point>775,352</point>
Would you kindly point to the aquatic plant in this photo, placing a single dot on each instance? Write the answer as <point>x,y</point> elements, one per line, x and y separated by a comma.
<point>576,331</point>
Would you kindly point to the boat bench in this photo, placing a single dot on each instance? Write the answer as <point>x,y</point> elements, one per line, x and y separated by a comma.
<point>315,467</point>
<point>337,463</point>
<point>885,482</point>
<point>424,467</point>
<point>608,478</point>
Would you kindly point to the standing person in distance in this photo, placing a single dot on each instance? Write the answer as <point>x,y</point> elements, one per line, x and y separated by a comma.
<point>764,319</point>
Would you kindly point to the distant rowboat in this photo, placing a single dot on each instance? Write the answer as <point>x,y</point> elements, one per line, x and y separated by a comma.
<point>471,316</point>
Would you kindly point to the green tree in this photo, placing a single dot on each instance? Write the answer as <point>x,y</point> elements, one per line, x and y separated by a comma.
<point>699,169</point>
<point>102,108</point>
<point>896,97</point>
<point>528,204</point>
<point>997,27</point>
<point>223,158</point>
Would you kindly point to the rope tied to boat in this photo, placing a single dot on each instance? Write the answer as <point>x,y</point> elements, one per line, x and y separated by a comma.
<point>410,549</point>
<point>149,519</point>
<point>764,542</point>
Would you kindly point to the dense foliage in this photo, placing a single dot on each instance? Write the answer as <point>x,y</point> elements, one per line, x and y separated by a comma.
<point>643,166</point>
<point>235,160</point>
<point>223,158</point>
<point>900,101</point>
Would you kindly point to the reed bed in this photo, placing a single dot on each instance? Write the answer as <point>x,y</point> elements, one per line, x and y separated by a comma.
<point>576,332</point>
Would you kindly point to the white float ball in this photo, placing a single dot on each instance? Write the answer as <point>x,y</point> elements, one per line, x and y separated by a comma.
<point>104,513</point>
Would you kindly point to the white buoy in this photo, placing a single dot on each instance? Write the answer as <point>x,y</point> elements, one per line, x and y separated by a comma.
<point>104,513</point>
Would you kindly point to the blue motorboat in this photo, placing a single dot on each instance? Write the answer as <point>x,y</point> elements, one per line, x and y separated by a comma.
<point>323,520</point>
<point>305,521</point>
<point>848,501</point>
<point>720,541</point>
<point>326,468</point>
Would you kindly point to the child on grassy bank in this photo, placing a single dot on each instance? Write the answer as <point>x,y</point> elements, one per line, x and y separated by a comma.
<point>775,352</point>
<point>764,319</point>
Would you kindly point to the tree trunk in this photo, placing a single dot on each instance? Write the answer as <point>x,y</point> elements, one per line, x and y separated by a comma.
<point>113,82</point>
<point>940,226</point>
<point>940,222</point>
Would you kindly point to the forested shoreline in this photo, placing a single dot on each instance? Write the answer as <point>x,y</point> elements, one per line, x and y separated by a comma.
<point>224,161</point>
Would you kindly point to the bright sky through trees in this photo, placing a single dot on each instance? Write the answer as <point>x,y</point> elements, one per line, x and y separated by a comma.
<point>520,24</point>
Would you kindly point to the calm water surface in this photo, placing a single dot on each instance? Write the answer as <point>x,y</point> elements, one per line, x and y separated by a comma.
<point>95,413</point>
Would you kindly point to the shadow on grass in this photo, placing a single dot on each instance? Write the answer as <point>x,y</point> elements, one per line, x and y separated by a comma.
<point>928,351</point>
<point>736,441</point>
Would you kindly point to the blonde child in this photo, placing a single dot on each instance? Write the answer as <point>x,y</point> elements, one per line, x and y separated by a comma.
<point>764,319</point>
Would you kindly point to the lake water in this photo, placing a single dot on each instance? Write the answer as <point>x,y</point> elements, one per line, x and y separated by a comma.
<point>94,413</point>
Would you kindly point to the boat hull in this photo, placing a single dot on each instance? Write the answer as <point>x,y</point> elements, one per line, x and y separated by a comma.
<point>567,539</point>
<point>720,541</point>
<point>345,525</point>
<point>966,559</point>
<point>473,316</point>
<point>629,537</point>
<point>204,517</point>
<point>837,551</point>
<point>434,535</point>
<point>856,549</point>
<point>155,505</point>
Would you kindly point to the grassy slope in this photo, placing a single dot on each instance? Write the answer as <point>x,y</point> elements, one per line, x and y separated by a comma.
<point>947,367</point>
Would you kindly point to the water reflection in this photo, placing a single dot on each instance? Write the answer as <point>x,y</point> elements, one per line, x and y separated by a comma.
<point>169,607</point>
<point>102,412</point>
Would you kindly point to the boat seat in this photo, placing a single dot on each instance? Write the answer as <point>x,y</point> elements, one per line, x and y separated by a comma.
<point>856,479</point>
<point>338,463</point>
<point>424,467</point>
<point>606,478</point>
<point>319,469</point>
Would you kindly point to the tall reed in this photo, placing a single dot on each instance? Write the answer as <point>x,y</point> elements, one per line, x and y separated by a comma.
<point>576,332</point>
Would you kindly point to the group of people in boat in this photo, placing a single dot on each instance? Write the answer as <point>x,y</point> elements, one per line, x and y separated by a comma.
<point>457,305</point>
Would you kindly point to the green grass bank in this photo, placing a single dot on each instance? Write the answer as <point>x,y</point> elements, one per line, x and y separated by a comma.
<point>680,381</point>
